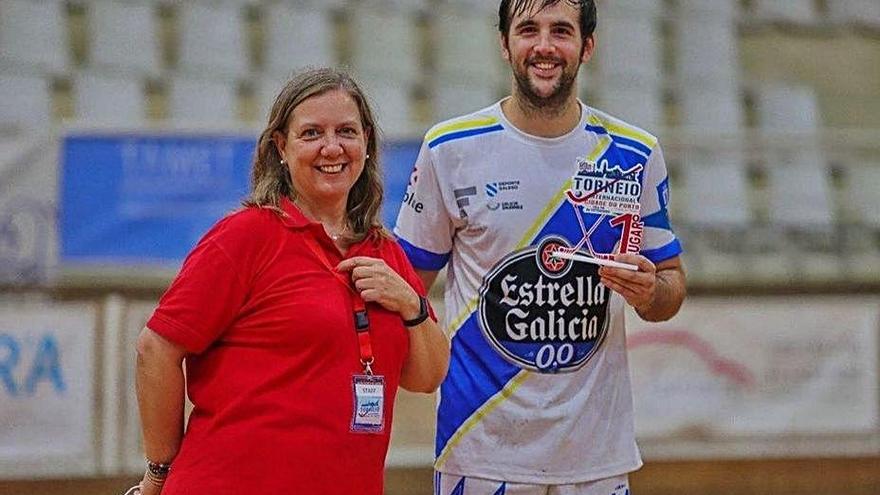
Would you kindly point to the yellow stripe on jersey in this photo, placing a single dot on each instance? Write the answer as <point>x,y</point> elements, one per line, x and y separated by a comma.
<point>482,412</point>
<point>461,125</point>
<point>601,148</point>
<point>455,324</point>
<point>548,210</point>
<point>620,128</point>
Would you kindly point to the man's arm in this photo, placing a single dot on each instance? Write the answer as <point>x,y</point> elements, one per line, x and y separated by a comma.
<point>655,291</point>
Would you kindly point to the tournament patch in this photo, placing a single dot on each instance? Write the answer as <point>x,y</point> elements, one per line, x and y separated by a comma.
<point>544,313</point>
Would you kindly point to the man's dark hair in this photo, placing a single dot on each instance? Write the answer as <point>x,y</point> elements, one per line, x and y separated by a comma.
<point>511,8</point>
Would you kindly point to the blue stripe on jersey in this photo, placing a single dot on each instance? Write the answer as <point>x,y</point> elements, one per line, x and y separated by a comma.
<point>459,488</point>
<point>620,139</point>
<point>463,134</point>
<point>502,490</point>
<point>658,220</point>
<point>670,250</point>
<point>469,386</point>
<point>633,144</point>
<point>423,259</point>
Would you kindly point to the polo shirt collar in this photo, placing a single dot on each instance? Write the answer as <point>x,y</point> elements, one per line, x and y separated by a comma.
<point>293,217</point>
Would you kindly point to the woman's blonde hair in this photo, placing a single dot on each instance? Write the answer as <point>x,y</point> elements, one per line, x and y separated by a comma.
<point>270,179</point>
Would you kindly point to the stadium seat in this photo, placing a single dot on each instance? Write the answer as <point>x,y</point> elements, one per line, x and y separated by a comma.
<point>629,51</point>
<point>391,102</point>
<point>212,42</point>
<point>466,46</point>
<point>451,99</point>
<point>710,109</point>
<point>124,36</point>
<point>716,10</point>
<point>27,101</point>
<point>639,105</point>
<point>863,192</point>
<point>265,90</point>
<point>706,53</point>
<point>788,12</point>
<point>202,102</point>
<point>476,7</point>
<point>799,183</point>
<point>105,99</point>
<point>635,8</point>
<point>385,41</point>
<point>297,35</point>
<point>33,36</point>
<point>858,12</point>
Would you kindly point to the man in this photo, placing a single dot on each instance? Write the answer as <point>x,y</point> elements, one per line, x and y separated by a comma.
<point>538,398</point>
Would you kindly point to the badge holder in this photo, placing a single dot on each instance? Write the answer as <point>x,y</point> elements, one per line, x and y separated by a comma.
<point>368,389</point>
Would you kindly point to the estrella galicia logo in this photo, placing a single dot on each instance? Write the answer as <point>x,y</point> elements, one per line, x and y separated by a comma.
<point>542,313</point>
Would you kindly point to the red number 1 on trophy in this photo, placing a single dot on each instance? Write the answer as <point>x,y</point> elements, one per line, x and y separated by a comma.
<point>631,237</point>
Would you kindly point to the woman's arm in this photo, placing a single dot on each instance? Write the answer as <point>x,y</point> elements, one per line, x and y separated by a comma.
<point>428,358</point>
<point>160,391</point>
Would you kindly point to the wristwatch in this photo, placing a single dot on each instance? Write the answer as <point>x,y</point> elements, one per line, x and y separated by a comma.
<point>422,316</point>
<point>157,471</point>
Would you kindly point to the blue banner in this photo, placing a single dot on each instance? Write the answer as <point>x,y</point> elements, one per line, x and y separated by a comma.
<point>147,199</point>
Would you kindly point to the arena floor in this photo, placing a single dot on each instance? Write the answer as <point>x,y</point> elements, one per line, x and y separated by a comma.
<point>780,477</point>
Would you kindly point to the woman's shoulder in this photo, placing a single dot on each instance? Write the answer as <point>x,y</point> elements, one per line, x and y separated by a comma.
<point>246,224</point>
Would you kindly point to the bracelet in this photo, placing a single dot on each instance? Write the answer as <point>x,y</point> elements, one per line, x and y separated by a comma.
<point>157,471</point>
<point>422,316</point>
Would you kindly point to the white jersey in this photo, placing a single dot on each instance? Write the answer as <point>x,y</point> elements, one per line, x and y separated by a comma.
<point>538,389</point>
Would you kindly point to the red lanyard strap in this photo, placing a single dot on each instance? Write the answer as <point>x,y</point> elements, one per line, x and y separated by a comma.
<point>361,319</point>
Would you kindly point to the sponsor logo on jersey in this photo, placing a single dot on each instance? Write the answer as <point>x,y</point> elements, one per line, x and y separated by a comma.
<point>543,313</point>
<point>463,199</point>
<point>494,189</point>
<point>409,198</point>
<point>604,189</point>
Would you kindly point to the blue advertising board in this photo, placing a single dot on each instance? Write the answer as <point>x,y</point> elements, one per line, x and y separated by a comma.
<point>147,199</point>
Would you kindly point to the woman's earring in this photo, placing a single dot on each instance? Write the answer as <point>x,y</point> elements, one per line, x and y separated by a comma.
<point>282,162</point>
<point>368,156</point>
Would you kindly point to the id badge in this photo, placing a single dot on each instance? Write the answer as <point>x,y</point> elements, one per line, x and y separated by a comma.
<point>369,404</point>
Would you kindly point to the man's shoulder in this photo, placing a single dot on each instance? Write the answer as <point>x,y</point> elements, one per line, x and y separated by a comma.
<point>484,121</point>
<point>619,130</point>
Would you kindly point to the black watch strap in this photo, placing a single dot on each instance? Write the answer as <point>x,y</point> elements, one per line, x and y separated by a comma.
<point>422,316</point>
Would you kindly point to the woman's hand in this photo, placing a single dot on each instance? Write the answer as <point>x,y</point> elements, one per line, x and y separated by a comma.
<point>377,282</point>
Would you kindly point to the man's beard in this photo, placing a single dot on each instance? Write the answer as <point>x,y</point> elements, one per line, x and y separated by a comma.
<point>554,103</point>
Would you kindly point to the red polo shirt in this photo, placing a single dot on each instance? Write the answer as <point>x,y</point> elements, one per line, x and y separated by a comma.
<point>274,350</point>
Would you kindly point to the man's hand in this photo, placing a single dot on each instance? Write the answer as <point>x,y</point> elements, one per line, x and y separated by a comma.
<point>638,288</point>
<point>655,291</point>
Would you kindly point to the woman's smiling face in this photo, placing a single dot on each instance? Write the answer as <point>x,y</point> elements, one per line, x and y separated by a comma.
<point>325,147</point>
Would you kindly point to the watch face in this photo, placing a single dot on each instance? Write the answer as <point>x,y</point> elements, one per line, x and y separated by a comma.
<point>158,469</point>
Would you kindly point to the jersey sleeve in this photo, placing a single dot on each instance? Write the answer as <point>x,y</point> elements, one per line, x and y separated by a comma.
<point>659,242</point>
<point>424,229</point>
<point>404,268</point>
<point>207,294</point>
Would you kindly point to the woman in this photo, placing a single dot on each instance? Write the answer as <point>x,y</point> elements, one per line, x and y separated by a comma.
<point>298,317</point>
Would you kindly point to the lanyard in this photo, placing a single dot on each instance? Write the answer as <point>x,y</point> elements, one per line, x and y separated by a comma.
<point>361,320</point>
